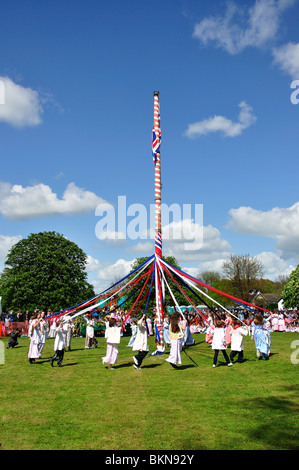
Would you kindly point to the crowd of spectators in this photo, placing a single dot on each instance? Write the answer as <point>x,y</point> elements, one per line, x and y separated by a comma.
<point>281,320</point>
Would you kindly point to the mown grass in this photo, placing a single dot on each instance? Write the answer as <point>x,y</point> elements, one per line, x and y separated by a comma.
<point>85,406</point>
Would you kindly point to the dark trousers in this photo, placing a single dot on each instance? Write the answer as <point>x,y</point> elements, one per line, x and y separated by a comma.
<point>140,356</point>
<point>224,354</point>
<point>234,353</point>
<point>59,356</point>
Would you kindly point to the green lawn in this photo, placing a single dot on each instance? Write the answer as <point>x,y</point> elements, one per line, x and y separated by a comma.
<point>83,405</point>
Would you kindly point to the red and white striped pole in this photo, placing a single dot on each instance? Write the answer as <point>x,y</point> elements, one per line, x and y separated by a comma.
<point>159,317</point>
<point>158,248</point>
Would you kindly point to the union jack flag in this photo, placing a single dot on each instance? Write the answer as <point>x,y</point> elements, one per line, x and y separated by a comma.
<point>156,140</point>
<point>155,145</point>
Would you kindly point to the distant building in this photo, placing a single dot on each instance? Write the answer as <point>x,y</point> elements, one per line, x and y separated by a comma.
<point>262,300</point>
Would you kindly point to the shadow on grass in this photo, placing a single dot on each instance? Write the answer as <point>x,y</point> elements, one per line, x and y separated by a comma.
<point>150,366</point>
<point>70,364</point>
<point>188,366</point>
<point>41,361</point>
<point>279,427</point>
<point>130,364</point>
<point>121,366</point>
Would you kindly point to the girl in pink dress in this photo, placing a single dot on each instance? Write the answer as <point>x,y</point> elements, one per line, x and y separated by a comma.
<point>281,322</point>
<point>274,322</point>
<point>149,326</point>
<point>209,332</point>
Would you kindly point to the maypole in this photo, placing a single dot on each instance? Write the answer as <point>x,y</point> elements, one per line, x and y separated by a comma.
<point>157,272</point>
<point>159,287</point>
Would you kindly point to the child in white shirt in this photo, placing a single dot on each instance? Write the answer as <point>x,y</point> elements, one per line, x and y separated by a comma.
<point>237,333</point>
<point>219,343</point>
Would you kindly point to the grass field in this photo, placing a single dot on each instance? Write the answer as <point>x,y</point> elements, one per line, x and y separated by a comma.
<point>85,406</point>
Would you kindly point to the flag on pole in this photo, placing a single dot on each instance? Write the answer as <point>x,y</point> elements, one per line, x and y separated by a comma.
<point>156,133</point>
<point>155,145</point>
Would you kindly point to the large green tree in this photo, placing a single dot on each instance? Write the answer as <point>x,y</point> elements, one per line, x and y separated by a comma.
<point>44,271</point>
<point>290,293</point>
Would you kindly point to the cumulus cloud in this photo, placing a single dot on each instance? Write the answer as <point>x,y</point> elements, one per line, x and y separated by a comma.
<point>6,243</point>
<point>222,124</point>
<point>287,59</point>
<point>240,28</point>
<point>19,106</point>
<point>274,265</point>
<point>186,240</point>
<point>278,223</point>
<point>106,274</point>
<point>273,223</point>
<point>92,264</point>
<point>208,246</point>
<point>20,203</point>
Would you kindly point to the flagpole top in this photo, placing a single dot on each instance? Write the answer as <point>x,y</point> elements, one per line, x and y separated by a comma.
<point>156,93</point>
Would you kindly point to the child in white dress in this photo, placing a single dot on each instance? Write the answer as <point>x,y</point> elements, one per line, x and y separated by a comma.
<point>219,344</point>
<point>113,340</point>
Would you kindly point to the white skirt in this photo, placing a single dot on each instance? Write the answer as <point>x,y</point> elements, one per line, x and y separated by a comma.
<point>111,354</point>
<point>175,351</point>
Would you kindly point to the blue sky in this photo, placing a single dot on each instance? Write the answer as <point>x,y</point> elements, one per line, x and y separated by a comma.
<point>76,115</point>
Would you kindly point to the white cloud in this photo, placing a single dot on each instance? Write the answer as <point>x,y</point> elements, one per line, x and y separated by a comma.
<point>223,124</point>
<point>273,223</point>
<point>274,266</point>
<point>278,223</point>
<point>20,203</point>
<point>209,246</point>
<point>19,106</point>
<point>6,243</point>
<point>187,241</point>
<point>240,28</point>
<point>287,58</point>
<point>114,271</point>
<point>214,265</point>
<point>106,274</point>
<point>92,264</point>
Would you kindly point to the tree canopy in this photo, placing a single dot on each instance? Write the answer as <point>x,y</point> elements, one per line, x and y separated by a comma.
<point>44,271</point>
<point>290,293</point>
